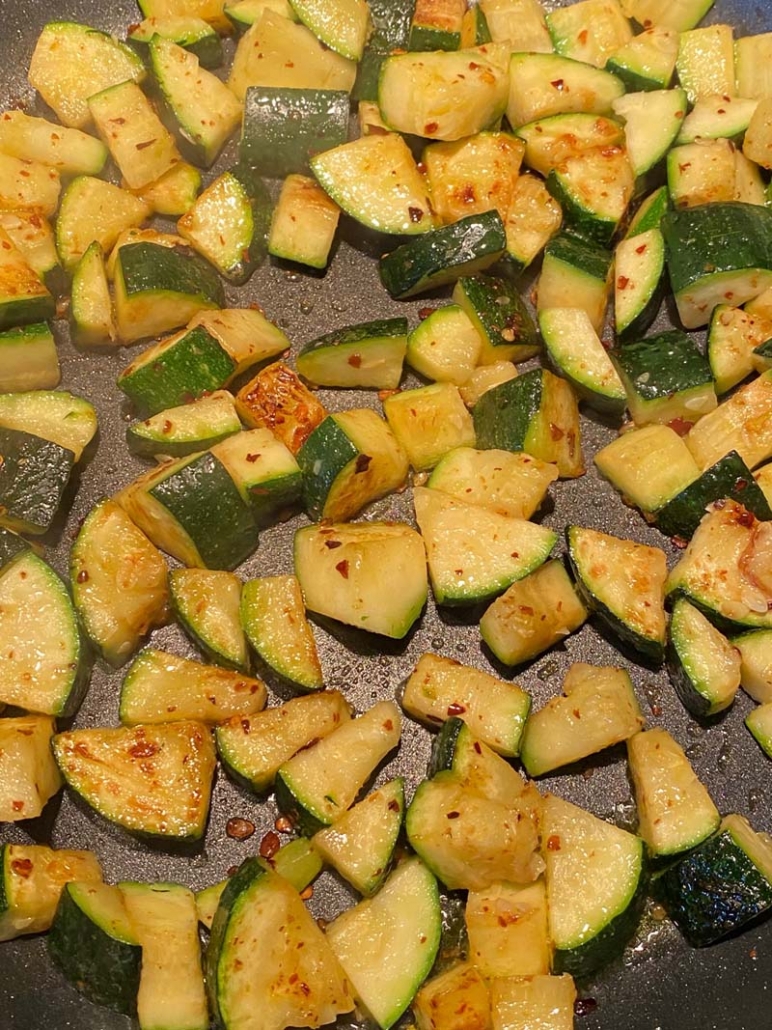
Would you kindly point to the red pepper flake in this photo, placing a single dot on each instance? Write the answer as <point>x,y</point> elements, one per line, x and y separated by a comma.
<point>473,66</point>
<point>269,845</point>
<point>146,144</point>
<point>355,360</point>
<point>453,815</point>
<point>252,458</point>
<point>582,37</point>
<point>167,427</point>
<point>680,543</point>
<point>622,282</point>
<point>82,576</point>
<point>585,1006</point>
<point>641,249</point>
<point>393,805</point>
<point>332,544</point>
<point>556,432</point>
<point>680,426</point>
<point>425,312</point>
<point>239,829</point>
<point>430,127</point>
<point>553,842</point>
<point>456,709</point>
<point>282,824</point>
<point>144,749</point>
<point>362,463</point>
<point>22,867</point>
<point>342,568</point>
<point>307,894</point>
<point>416,213</point>
<point>557,84</point>
<point>17,806</point>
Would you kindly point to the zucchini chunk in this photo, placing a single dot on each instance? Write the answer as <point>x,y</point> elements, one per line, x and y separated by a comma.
<point>724,571</point>
<point>649,213</point>
<point>316,786</point>
<point>552,140</point>
<point>648,466</point>
<point>717,116</point>
<point>29,776</point>
<point>361,843</point>
<point>69,151</point>
<point>429,422</point>
<point>386,974</point>
<point>28,359</point>
<point>730,478</point>
<point>639,265</point>
<point>733,337</point>
<point>276,52</point>
<point>721,886</point>
<point>24,298</point>
<point>666,378</point>
<point>276,399</point>
<point>704,667</point>
<point>44,667</point>
<point>94,211</point>
<point>703,172</point>
<point>595,883</point>
<point>91,306</point>
<point>624,582</point>
<point>160,687</point>
<point>376,181</point>
<point>737,273</point>
<point>370,354</point>
<point>679,15</point>
<point>158,288</point>
<point>441,689</point>
<point>453,1000</point>
<point>254,748</point>
<point>151,780</point>
<point>444,95</point>
<point>32,877</point>
<point>273,615</point>
<point>185,429</point>
<point>756,664</point>
<point>652,120</point>
<point>542,84</point>
<point>304,223</point>
<point>284,128</point>
<point>171,983</point>
<point>705,62</point>
<point>72,62</point>
<point>756,141</point>
<point>474,554</point>
<point>507,930</point>
<point>263,470</point>
<point>576,273</point>
<point>192,509</point>
<point>188,31</point>
<point>12,546</point>
<point>535,613</point>
<point>437,26</point>
<point>500,316</point>
<point>521,1003</point>
<point>201,110</point>
<point>119,582</point>
<point>206,602</point>
<point>298,981</point>
<point>174,193</point>
<point>228,224</point>
<point>244,333</point>
<point>742,423</point>
<point>589,31</point>
<point>471,841</point>
<point>596,710</point>
<point>33,476</point>
<point>210,11</point>
<point>575,351</point>
<point>521,24</point>
<point>532,220</point>
<point>484,378</point>
<point>445,346</point>
<point>759,722</point>
<point>536,413</point>
<point>33,237</point>
<point>594,189</point>
<point>506,482</point>
<point>28,186</point>
<point>93,943</point>
<point>464,248</point>
<point>647,61</point>
<point>675,811</point>
<point>349,460</point>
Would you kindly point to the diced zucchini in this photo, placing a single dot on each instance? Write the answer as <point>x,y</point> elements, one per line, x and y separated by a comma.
<point>70,151</point>
<point>254,748</point>
<point>28,186</point>
<point>173,194</point>
<point>283,128</point>
<point>624,582</point>
<point>484,378</point>
<point>752,66</point>
<point>650,213</point>
<point>552,140</point>
<point>589,31</point>
<point>71,62</point>
<point>244,333</point>
<point>705,62</point>
<point>741,424</point>
<point>54,415</point>
<point>298,981</point>
<point>474,554</point>
<point>274,619</point>
<point>33,476</point>
<point>509,483</point>
<point>649,466</point>
<point>317,785</point>
<point>304,223</point>
<point>675,811</point>
<point>32,877</point>
<point>722,885</point>
<point>472,175</point>
<point>576,352</point>
<point>445,346</point>
<point>639,265</point>
<point>429,422</point>
<point>597,709</point>
<point>186,429</point>
<point>595,881</point>
<point>523,1002</point>
<point>733,336</point>
<point>264,471</point>
<point>723,571</point>
<point>385,975</point>
<point>94,211</point>
<point>575,274</point>
<point>28,358</point>
<point>535,613</point>
<point>12,546</point>
<point>756,664</point>
<point>94,945</point>
<point>206,602</point>
<point>119,582</point>
<point>188,31</point>
<point>277,400</point>
<point>359,846</point>
<point>444,95</point>
<point>201,109</point>
<point>33,237</point>
<point>437,25</point>
<point>91,307</point>
<point>759,722</point>
<point>453,999</point>
<point>519,23</point>
<point>28,773</point>
<point>536,413</point>
<point>679,15</point>
<point>647,61</point>
<point>652,120</point>
<point>532,220</point>
<point>151,780</point>
<point>703,172</point>
<point>594,189</point>
<point>468,840</point>
<point>210,11</point>
<point>500,316</point>
<point>161,688</point>
<point>375,180</point>
<point>717,117</point>
<point>369,354</point>
<point>507,930</point>
<point>541,85</point>
<point>24,298</point>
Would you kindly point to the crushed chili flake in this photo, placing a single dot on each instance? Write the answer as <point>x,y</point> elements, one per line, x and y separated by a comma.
<point>342,568</point>
<point>239,829</point>
<point>269,845</point>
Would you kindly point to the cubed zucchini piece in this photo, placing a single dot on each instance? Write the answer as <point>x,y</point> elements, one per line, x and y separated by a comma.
<point>94,211</point>
<point>759,722</point>
<point>341,25</point>
<point>647,61</point>
<point>429,422</point>
<point>507,930</point>
<point>653,120</point>
<point>278,400</point>
<point>369,354</point>
<point>717,117</point>
<point>589,31</point>
<point>173,194</point>
<point>703,172</point>
<point>532,220</point>
<point>91,307</point>
<point>186,429</point>
<point>448,1000</point>
<point>33,237</point>
<point>522,1002</point>
<point>752,69</point>
<point>705,62</point>
<point>649,466</point>
<point>552,140</point>
<point>188,31</point>
<point>445,346</point>
<point>639,285</point>
<point>679,15</point>
<point>544,84</point>
<point>24,299</point>
<point>520,23</point>
<point>304,223</point>
<point>54,415</point>
<point>28,359</point>
<point>28,186</point>
<point>742,423</point>
<point>501,318</point>
<point>594,189</point>
<point>755,650</point>
<point>575,274</point>
<point>273,615</point>
<point>206,603</point>
<point>507,482</point>
<point>284,128</point>
<point>70,151</point>
<point>484,378</point>
<point>575,352</point>
<point>210,11</point>
<point>437,25</point>
<point>29,776</point>
<point>33,476</point>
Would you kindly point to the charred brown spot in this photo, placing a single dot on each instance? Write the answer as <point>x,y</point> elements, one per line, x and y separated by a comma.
<point>416,213</point>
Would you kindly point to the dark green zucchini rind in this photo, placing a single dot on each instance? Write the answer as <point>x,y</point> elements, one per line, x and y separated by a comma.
<point>91,943</point>
<point>444,255</point>
<point>33,476</point>
<point>12,546</point>
<point>762,356</point>
<point>703,666</point>
<point>729,478</point>
<point>499,314</point>
<point>191,34</point>
<point>283,128</point>
<point>721,886</point>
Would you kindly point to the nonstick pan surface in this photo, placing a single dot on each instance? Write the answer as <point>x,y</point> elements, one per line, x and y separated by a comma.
<point>660,983</point>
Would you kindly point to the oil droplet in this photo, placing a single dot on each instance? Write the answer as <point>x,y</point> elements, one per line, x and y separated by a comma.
<point>437,643</point>
<point>724,757</point>
<point>695,730</point>
<point>755,797</point>
<point>292,277</point>
<point>548,670</point>
<point>306,307</point>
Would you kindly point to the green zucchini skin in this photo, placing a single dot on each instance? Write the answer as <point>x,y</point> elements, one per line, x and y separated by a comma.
<point>33,476</point>
<point>284,128</point>
<point>104,969</point>
<point>661,368</point>
<point>392,20</point>
<point>12,546</point>
<point>729,478</point>
<point>206,46</point>
<point>328,448</point>
<point>503,415</point>
<point>148,267</point>
<point>444,255</point>
<point>500,314</point>
<point>713,891</point>
<point>323,361</point>
<point>593,259</point>
<point>444,746</point>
